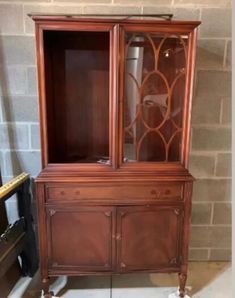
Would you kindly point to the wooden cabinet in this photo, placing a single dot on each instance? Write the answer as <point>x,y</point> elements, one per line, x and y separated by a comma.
<point>114,193</point>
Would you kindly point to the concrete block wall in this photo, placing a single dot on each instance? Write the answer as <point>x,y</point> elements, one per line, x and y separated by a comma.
<point>210,160</point>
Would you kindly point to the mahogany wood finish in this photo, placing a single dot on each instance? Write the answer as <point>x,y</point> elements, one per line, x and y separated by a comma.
<point>114,193</point>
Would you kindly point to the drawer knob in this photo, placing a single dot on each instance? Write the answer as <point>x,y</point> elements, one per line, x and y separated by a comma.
<point>177,211</point>
<point>118,237</point>
<point>122,213</point>
<point>123,265</point>
<point>156,193</point>
<point>52,212</point>
<point>62,192</point>
<point>108,213</point>
<point>173,261</point>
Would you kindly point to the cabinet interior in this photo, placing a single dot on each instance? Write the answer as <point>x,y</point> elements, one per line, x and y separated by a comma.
<point>77,91</point>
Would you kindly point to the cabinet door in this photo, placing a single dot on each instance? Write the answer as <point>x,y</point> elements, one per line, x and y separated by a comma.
<point>155,97</point>
<point>149,238</point>
<point>80,238</point>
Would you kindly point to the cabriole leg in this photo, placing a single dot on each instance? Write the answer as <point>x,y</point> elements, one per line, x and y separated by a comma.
<point>182,284</point>
<point>45,287</point>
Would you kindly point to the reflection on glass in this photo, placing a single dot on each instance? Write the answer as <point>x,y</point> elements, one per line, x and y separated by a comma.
<point>154,95</point>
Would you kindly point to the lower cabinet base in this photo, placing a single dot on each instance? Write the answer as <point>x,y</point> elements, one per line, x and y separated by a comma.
<point>47,293</point>
<point>83,237</point>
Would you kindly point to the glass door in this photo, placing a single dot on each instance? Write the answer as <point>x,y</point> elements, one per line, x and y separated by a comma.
<point>154,85</point>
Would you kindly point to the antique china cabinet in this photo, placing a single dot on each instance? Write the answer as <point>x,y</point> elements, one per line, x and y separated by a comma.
<point>114,193</point>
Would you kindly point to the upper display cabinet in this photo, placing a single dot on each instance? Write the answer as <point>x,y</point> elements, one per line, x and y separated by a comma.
<point>115,92</point>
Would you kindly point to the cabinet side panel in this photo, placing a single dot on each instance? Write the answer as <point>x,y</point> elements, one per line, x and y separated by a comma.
<point>42,231</point>
<point>41,91</point>
<point>188,97</point>
<point>187,225</point>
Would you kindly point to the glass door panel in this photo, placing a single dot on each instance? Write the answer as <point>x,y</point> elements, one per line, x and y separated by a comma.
<point>155,69</point>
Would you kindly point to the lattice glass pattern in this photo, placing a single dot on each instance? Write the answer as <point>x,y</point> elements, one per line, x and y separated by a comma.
<point>155,69</point>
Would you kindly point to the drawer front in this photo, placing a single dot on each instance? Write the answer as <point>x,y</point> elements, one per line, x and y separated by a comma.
<point>153,191</point>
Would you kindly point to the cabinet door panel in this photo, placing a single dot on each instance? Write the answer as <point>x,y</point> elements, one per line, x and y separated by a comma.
<point>149,237</point>
<point>80,237</point>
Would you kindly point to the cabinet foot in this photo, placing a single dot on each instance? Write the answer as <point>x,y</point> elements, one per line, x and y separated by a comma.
<point>45,287</point>
<point>49,295</point>
<point>182,283</point>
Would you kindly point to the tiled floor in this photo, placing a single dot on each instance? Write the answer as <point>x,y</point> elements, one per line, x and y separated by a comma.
<point>206,280</point>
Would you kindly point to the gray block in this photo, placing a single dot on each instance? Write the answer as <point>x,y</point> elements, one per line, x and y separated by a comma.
<point>210,54</point>
<point>200,236</point>
<point>18,161</point>
<point>86,1</point>
<point>163,8</point>
<point>202,165</point>
<point>201,213</point>
<point>28,0</point>
<point>35,136</point>
<point>229,54</point>
<point>224,165</point>
<point>20,108</point>
<point>41,8</point>
<point>222,214</point>
<point>112,9</point>
<point>211,138</point>
<point>1,113</point>
<point>180,13</point>
<point>216,22</point>
<point>199,254</point>
<point>11,18</point>
<point>206,110</point>
<point>211,236</point>
<point>2,163</point>
<point>212,3</point>
<point>32,86</point>
<point>212,190</point>
<point>18,50</point>
<point>13,80</point>
<point>14,136</point>
<point>213,83</point>
<point>220,255</point>
<point>144,2</point>
<point>220,237</point>
<point>226,110</point>
<point>190,14</point>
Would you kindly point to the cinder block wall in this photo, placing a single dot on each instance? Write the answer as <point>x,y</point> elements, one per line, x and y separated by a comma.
<point>211,136</point>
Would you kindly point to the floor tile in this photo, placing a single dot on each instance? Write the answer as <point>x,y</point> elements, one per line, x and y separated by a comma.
<point>221,287</point>
<point>138,286</point>
<point>82,287</point>
<point>142,292</point>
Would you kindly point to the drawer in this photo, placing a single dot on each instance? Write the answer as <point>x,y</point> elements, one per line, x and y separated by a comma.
<point>153,191</point>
